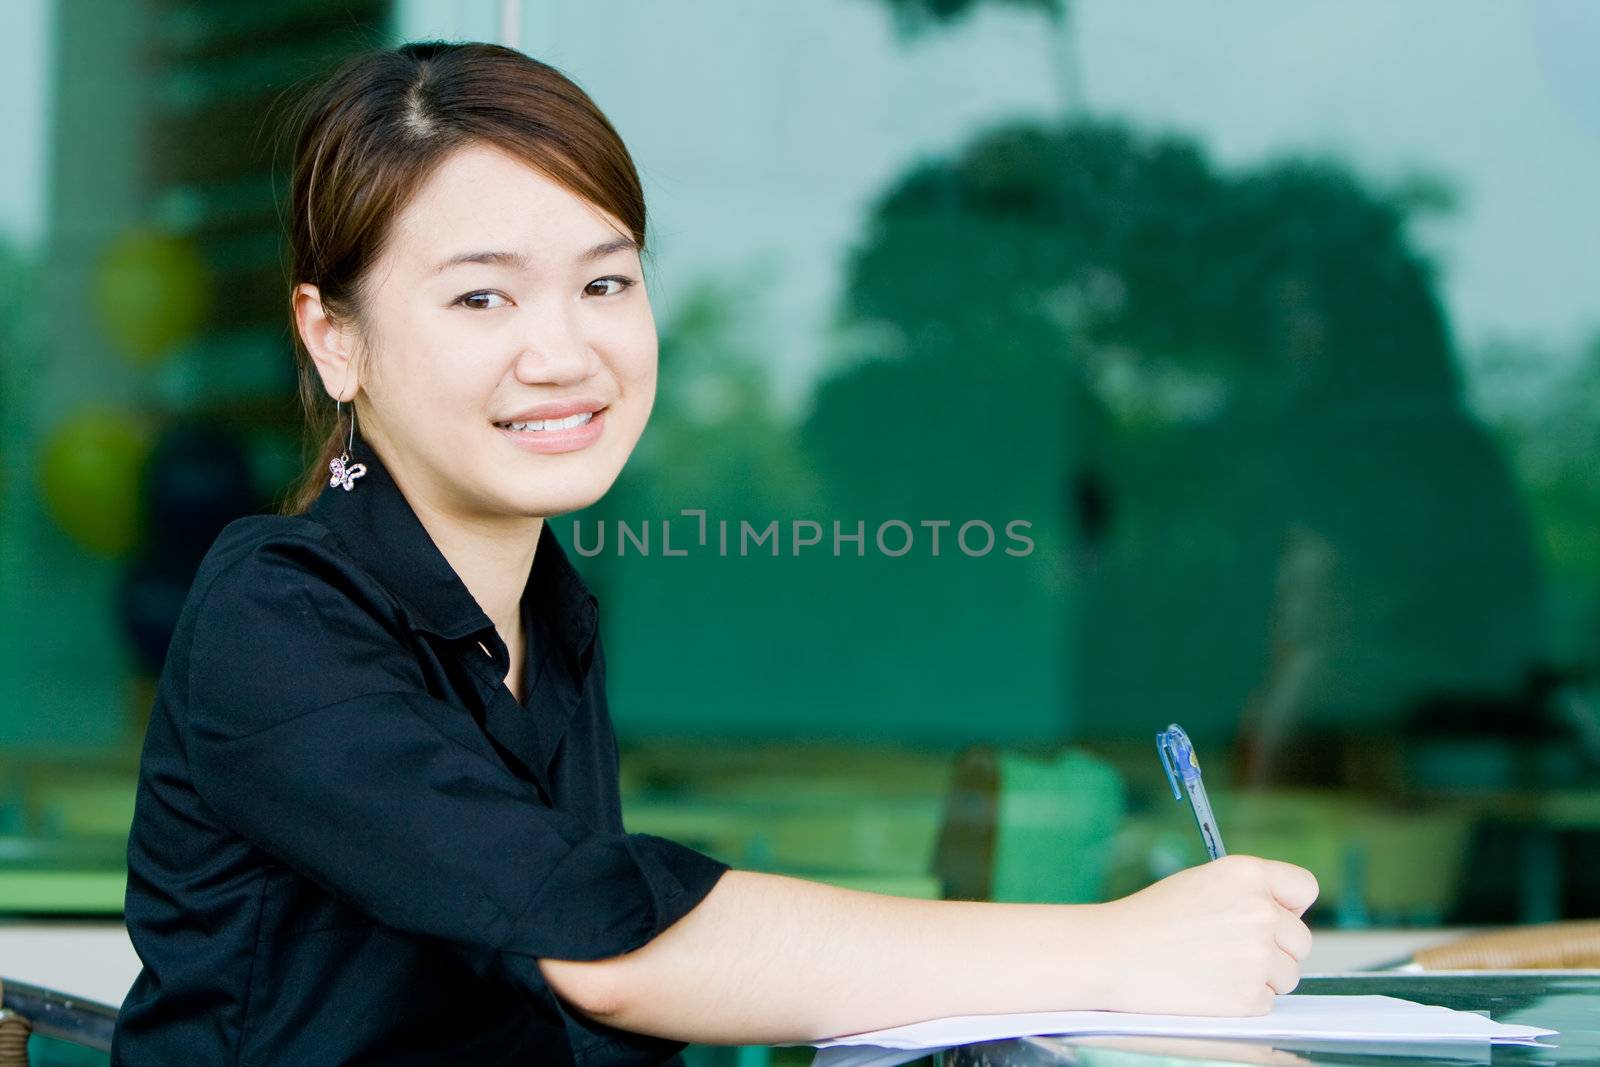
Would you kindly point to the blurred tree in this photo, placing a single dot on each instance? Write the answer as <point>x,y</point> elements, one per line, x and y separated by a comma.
<point>1242,366</point>
<point>1545,406</point>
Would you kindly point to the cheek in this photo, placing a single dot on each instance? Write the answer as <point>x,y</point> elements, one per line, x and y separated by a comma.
<point>635,361</point>
<point>441,360</point>
<point>428,387</point>
<point>638,387</point>
<point>644,379</point>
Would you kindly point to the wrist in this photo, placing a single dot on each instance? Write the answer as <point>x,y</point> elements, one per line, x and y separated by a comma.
<point>1092,954</point>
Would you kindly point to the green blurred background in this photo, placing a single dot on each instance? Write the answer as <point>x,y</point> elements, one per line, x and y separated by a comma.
<point>1277,325</point>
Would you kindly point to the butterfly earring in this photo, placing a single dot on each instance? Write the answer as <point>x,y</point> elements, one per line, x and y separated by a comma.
<point>344,472</point>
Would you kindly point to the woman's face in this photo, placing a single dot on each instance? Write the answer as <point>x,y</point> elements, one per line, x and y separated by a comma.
<point>498,296</point>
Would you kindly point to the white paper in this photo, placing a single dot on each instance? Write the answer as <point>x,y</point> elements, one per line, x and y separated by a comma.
<point>1296,1016</point>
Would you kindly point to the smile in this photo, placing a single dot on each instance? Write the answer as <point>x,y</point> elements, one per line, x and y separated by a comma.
<point>551,436</point>
<point>548,424</point>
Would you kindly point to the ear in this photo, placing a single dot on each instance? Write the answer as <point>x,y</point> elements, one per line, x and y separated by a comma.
<point>330,343</point>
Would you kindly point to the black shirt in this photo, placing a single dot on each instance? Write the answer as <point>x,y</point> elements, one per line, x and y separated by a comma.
<point>351,844</point>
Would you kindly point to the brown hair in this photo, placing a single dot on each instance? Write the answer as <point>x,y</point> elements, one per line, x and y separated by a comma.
<point>367,138</point>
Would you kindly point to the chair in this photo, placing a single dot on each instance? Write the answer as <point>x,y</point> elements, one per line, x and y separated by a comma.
<point>80,1024</point>
<point>1029,828</point>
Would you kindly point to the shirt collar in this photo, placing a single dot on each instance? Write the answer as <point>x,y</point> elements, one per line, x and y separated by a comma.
<point>378,527</point>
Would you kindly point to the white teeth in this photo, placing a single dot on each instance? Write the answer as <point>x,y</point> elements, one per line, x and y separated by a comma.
<point>551,424</point>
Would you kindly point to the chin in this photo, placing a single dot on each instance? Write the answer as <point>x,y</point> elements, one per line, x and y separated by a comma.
<point>559,484</point>
<point>551,502</point>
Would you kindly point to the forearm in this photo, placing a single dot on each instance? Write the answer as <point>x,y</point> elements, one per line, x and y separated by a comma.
<point>766,959</point>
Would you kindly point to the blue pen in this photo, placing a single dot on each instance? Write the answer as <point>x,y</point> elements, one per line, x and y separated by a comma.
<point>1177,756</point>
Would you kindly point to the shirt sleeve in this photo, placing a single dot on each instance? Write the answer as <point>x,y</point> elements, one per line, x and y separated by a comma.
<point>310,732</point>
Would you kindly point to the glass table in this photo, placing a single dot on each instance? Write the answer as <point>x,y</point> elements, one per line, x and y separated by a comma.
<point>1568,1001</point>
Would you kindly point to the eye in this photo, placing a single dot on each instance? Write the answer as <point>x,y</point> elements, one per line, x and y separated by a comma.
<point>622,283</point>
<point>475,300</point>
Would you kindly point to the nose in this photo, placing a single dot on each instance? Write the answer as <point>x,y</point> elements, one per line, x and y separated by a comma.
<point>558,351</point>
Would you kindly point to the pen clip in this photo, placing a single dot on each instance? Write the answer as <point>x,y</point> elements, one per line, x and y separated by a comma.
<point>1177,757</point>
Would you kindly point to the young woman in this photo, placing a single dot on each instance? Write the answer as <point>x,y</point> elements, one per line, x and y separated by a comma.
<point>378,818</point>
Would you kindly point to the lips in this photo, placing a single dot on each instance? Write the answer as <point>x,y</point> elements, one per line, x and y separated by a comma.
<point>559,438</point>
<point>555,409</point>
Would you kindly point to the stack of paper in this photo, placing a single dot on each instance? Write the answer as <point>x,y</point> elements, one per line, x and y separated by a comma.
<point>1293,1017</point>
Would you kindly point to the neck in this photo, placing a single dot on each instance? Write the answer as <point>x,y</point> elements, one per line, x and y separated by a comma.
<point>493,556</point>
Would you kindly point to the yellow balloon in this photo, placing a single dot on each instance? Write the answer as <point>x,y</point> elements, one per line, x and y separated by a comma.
<point>89,472</point>
<point>152,290</point>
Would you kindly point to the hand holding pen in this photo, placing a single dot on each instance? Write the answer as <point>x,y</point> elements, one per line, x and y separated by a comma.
<point>1223,938</point>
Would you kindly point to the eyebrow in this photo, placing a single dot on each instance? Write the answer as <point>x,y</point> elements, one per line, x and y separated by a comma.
<point>517,261</point>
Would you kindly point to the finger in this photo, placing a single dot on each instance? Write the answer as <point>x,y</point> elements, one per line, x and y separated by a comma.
<point>1294,937</point>
<point>1294,887</point>
<point>1263,1002</point>
<point>1283,973</point>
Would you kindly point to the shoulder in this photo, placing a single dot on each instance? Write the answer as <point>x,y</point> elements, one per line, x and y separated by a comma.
<point>284,618</point>
<point>242,538</point>
<point>266,562</point>
<point>280,591</point>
